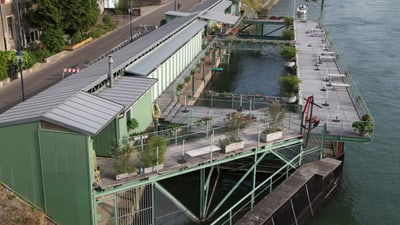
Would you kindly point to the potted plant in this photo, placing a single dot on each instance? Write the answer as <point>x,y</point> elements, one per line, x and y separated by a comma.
<point>290,85</point>
<point>152,157</point>
<point>232,142</point>
<point>289,53</point>
<point>364,126</point>
<point>123,160</point>
<point>132,124</point>
<point>274,117</point>
<point>175,129</point>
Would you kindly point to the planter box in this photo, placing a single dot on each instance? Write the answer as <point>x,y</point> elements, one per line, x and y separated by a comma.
<point>292,99</point>
<point>271,137</point>
<point>153,168</point>
<point>140,137</point>
<point>78,45</point>
<point>124,175</point>
<point>233,147</point>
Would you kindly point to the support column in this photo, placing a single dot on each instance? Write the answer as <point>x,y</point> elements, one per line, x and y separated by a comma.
<point>202,194</point>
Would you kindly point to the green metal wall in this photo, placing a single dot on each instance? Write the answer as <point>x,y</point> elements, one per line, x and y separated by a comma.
<point>20,161</point>
<point>168,71</point>
<point>141,111</point>
<point>67,164</point>
<point>103,140</point>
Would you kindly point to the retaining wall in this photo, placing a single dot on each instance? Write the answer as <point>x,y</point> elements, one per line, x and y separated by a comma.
<point>296,199</point>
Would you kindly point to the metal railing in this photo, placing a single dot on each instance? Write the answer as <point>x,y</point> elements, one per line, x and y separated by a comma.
<point>263,188</point>
<point>354,93</point>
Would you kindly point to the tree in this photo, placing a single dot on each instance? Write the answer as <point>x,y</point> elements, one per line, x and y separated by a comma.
<point>67,16</point>
<point>45,14</point>
<point>80,15</point>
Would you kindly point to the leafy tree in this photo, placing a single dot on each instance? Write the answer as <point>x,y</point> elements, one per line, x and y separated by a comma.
<point>67,16</point>
<point>80,15</point>
<point>45,14</point>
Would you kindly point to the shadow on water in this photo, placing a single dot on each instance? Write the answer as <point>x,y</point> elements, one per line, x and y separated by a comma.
<point>250,73</point>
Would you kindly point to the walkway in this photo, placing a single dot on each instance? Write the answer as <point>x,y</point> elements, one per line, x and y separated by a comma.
<point>322,78</point>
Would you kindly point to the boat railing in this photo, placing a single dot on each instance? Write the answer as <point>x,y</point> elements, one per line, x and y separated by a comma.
<point>354,93</point>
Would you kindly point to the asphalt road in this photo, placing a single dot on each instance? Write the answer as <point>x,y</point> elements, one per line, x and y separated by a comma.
<point>50,73</point>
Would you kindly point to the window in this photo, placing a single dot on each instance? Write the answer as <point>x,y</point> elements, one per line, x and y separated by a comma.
<point>10,27</point>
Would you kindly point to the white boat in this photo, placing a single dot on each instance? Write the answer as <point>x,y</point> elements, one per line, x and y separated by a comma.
<point>302,10</point>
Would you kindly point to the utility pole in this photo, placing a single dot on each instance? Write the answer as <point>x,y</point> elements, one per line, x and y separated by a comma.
<point>130,11</point>
<point>2,27</point>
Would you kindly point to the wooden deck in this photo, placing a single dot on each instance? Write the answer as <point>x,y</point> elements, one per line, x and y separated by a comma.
<point>321,77</point>
<point>200,145</point>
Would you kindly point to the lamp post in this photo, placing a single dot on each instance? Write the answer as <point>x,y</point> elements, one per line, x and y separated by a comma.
<point>130,11</point>
<point>20,59</point>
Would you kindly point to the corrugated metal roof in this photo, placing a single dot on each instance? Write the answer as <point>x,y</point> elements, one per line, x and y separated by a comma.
<point>84,112</point>
<point>152,60</point>
<point>127,90</point>
<point>222,6</point>
<point>177,14</point>
<point>53,100</point>
<point>220,17</point>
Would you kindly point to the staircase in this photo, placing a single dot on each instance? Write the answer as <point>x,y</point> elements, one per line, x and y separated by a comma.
<point>170,111</point>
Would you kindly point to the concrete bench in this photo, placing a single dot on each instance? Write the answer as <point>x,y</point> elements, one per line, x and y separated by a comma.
<point>328,53</point>
<point>339,85</point>
<point>330,75</point>
<point>321,58</point>
<point>336,75</point>
<point>317,32</point>
<point>202,151</point>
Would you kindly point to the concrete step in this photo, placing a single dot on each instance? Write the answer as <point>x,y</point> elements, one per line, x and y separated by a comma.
<point>173,111</point>
<point>165,112</point>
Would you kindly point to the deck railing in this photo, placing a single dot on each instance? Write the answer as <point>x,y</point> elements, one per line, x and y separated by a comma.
<point>354,93</point>
<point>263,188</point>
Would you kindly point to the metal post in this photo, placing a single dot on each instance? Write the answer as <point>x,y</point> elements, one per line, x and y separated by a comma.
<point>193,87</point>
<point>20,58</point>
<point>22,79</point>
<point>130,21</point>
<point>202,194</point>
<point>110,73</point>
<point>2,26</point>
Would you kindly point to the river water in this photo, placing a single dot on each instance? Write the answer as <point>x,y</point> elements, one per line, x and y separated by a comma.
<point>366,34</point>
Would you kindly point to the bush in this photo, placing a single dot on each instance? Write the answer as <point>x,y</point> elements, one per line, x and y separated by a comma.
<point>53,39</point>
<point>288,52</point>
<point>290,84</point>
<point>187,79</point>
<point>288,34</point>
<point>149,156</point>
<point>5,58</point>
<point>288,20</point>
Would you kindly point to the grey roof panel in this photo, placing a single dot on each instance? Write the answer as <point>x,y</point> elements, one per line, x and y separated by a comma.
<point>84,113</point>
<point>152,60</point>
<point>220,17</point>
<point>127,90</point>
<point>222,6</point>
<point>34,108</point>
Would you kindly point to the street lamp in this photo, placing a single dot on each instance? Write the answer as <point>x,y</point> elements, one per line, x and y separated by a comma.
<point>20,59</point>
<point>130,11</point>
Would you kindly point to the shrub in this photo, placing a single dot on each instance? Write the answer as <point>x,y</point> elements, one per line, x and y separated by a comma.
<point>288,34</point>
<point>290,84</point>
<point>288,52</point>
<point>53,39</point>
<point>149,156</point>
